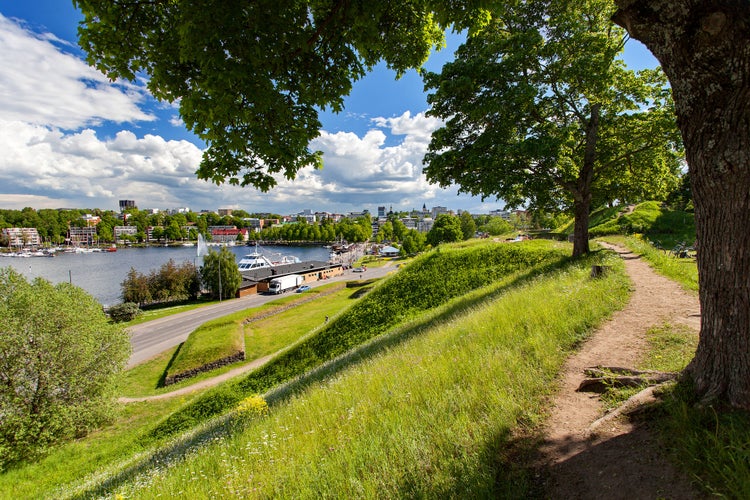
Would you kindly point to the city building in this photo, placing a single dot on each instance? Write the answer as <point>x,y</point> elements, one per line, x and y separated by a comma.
<point>120,231</point>
<point>78,236</point>
<point>228,234</point>
<point>91,220</point>
<point>20,237</point>
<point>126,205</point>
<point>438,210</point>
<point>504,214</point>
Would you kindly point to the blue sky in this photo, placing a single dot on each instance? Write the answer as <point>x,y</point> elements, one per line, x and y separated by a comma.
<point>70,138</point>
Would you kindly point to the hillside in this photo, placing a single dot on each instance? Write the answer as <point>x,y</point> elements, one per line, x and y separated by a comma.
<point>663,226</point>
<point>431,370</point>
<point>439,382</point>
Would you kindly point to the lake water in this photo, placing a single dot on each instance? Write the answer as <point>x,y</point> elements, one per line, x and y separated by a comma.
<point>101,273</point>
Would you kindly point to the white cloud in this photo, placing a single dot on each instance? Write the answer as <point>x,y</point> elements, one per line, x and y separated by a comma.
<point>54,153</point>
<point>46,162</point>
<point>40,84</point>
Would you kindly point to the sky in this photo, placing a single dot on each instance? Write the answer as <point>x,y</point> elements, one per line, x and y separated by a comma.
<point>70,138</point>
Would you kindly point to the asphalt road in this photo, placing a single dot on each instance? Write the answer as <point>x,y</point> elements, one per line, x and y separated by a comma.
<point>154,337</point>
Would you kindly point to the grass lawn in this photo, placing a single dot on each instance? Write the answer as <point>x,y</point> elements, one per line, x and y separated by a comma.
<point>262,337</point>
<point>427,412</point>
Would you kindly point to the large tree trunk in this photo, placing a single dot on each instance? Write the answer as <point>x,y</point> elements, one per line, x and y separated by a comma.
<point>581,225</point>
<point>582,190</point>
<point>704,48</point>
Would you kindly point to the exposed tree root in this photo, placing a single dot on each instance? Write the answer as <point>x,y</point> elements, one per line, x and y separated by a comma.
<point>601,378</point>
<point>638,403</point>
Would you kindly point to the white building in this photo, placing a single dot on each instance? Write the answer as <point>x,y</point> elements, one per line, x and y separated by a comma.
<point>22,236</point>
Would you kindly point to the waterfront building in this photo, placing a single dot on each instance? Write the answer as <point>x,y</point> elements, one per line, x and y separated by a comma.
<point>120,231</point>
<point>82,235</point>
<point>228,234</point>
<point>22,237</point>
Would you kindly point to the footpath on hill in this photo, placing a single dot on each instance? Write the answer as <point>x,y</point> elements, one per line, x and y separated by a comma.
<point>622,459</point>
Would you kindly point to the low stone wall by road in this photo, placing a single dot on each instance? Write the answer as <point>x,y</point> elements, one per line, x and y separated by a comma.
<point>228,360</point>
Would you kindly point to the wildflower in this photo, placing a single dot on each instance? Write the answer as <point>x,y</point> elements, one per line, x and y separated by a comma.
<point>252,406</point>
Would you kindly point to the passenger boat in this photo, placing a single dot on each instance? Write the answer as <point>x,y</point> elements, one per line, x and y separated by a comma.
<point>257,260</point>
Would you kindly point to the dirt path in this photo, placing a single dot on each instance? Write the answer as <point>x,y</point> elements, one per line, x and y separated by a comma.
<point>622,460</point>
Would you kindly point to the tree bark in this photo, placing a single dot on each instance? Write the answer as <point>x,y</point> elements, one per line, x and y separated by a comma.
<point>704,48</point>
<point>582,192</point>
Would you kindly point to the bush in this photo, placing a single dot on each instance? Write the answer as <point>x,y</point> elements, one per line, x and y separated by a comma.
<point>127,311</point>
<point>60,360</point>
<point>171,283</point>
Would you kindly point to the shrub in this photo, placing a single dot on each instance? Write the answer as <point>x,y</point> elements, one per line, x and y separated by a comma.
<point>127,311</point>
<point>60,359</point>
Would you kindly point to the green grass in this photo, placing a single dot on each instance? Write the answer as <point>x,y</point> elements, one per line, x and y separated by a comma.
<point>428,413</point>
<point>683,271</point>
<point>671,347</point>
<point>712,445</point>
<point>262,338</point>
<point>161,312</point>
<point>211,342</point>
<point>273,333</point>
<point>659,223</point>
<point>419,287</point>
<point>102,452</point>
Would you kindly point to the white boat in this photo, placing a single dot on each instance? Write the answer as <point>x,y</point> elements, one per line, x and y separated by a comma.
<point>257,260</point>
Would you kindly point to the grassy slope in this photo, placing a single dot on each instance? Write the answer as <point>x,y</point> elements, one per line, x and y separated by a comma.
<point>427,415</point>
<point>661,225</point>
<point>212,341</point>
<point>418,288</point>
<point>289,318</point>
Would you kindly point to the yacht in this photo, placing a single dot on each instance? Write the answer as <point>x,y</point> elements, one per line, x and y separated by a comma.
<point>256,260</point>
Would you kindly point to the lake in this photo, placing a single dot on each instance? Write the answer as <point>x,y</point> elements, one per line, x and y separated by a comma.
<point>101,273</point>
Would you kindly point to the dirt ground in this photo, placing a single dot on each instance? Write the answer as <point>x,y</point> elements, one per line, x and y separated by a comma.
<point>621,460</point>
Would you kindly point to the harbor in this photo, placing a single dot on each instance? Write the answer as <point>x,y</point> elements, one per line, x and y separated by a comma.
<point>101,273</point>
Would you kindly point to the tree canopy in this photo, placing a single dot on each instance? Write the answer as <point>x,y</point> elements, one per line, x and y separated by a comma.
<point>251,77</point>
<point>540,111</point>
<point>220,273</point>
<point>445,229</point>
<point>59,357</point>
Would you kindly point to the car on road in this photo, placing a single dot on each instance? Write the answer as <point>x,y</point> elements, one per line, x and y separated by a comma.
<point>303,288</point>
<point>358,270</point>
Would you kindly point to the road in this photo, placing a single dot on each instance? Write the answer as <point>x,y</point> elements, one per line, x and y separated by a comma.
<point>154,337</point>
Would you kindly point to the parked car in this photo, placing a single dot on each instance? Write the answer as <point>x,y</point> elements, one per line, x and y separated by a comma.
<point>303,288</point>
